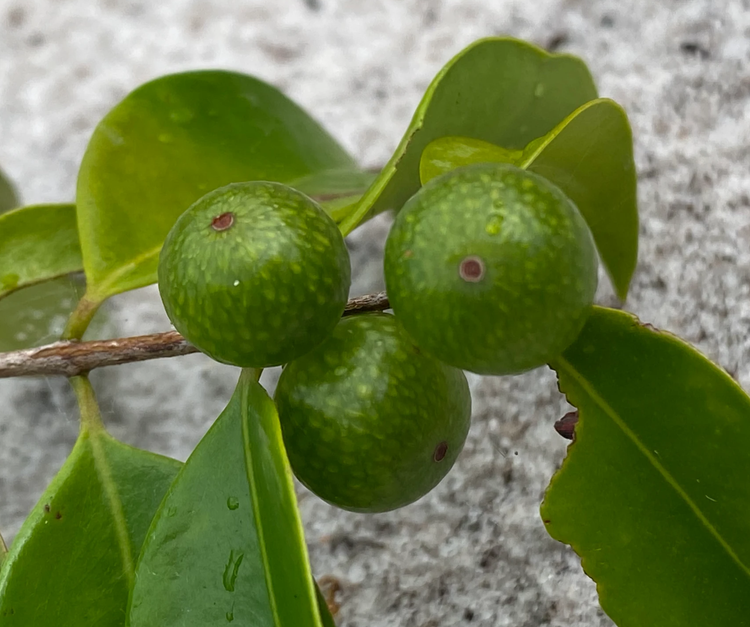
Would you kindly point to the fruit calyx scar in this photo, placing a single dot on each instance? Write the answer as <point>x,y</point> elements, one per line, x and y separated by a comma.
<point>223,221</point>
<point>471,269</point>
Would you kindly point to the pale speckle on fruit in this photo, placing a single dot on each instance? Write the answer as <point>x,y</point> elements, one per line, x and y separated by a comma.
<point>494,225</point>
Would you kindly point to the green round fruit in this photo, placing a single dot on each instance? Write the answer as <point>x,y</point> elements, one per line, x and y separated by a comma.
<point>370,423</point>
<point>254,274</point>
<point>491,269</point>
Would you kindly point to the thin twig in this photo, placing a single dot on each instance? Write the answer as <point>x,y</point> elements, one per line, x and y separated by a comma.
<point>71,358</point>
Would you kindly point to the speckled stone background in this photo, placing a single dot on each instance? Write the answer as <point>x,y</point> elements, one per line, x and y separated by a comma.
<point>473,552</point>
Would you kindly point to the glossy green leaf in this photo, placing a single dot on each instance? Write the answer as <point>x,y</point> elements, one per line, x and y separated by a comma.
<point>227,543</point>
<point>37,243</point>
<point>36,315</point>
<point>334,183</point>
<point>8,196</point>
<point>590,157</point>
<point>500,90</point>
<point>72,563</point>
<point>448,153</point>
<point>654,492</point>
<point>170,142</point>
<point>337,191</point>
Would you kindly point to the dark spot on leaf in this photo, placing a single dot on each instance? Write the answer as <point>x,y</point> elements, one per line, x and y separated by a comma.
<point>223,221</point>
<point>46,508</point>
<point>440,451</point>
<point>58,515</point>
<point>471,269</point>
<point>546,521</point>
<point>408,254</point>
<point>566,426</point>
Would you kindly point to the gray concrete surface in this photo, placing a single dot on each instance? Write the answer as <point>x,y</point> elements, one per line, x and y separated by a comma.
<point>474,551</point>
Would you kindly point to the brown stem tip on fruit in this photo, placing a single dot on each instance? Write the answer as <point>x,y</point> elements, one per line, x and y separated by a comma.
<point>471,269</point>
<point>440,451</point>
<point>223,222</point>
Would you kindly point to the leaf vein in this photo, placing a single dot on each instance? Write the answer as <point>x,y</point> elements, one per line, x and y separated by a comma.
<point>671,481</point>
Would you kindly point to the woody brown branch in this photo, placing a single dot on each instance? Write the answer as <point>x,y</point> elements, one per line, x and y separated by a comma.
<point>72,358</point>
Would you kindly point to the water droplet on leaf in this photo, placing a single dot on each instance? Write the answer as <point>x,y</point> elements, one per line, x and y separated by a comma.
<point>233,502</point>
<point>231,569</point>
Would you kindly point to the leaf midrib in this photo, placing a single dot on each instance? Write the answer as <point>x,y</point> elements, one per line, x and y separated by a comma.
<point>115,505</point>
<point>244,394</point>
<point>561,362</point>
<point>108,285</point>
<point>256,506</point>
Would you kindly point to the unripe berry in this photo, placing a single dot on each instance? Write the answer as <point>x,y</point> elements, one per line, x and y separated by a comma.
<point>491,269</point>
<point>370,423</point>
<point>254,274</point>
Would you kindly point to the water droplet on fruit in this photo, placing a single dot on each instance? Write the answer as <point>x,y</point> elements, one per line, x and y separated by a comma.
<point>471,269</point>
<point>236,282</point>
<point>233,502</point>
<point>222,222</point>
<point>440,451</point>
